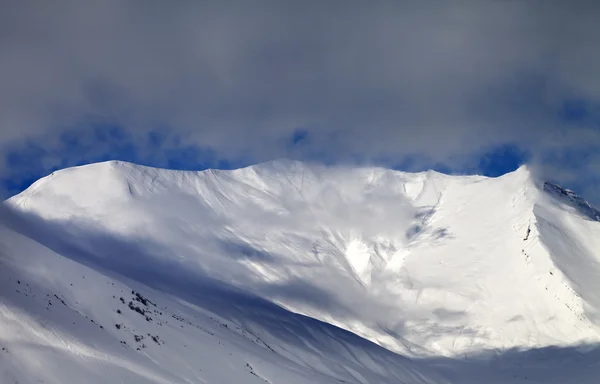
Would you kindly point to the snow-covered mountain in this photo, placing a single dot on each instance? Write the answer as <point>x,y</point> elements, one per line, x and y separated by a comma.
<point>286,272</point>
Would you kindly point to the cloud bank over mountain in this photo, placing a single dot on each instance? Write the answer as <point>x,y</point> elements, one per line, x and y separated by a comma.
<point>405,85</point>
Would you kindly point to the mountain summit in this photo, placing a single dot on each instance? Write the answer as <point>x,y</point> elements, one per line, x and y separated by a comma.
<point>305,263</point>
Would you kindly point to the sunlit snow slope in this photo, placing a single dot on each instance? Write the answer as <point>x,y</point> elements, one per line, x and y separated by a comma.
<point>245,268</point>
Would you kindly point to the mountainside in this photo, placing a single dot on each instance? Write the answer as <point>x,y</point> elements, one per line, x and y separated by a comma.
<point>286,272</point>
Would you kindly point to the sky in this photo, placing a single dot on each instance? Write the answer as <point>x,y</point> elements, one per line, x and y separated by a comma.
<point>461,87</point>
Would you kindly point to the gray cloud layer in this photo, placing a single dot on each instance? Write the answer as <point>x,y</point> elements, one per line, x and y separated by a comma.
<point>370,79</point>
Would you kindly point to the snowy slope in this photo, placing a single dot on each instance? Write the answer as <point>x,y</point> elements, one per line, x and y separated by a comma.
<point>430,266</point>
<point>62,322</point>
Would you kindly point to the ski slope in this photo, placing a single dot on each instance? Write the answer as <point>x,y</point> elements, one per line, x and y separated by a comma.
<point>286,272</point>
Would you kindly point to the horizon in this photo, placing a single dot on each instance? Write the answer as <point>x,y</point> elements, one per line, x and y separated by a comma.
<point>491,171</point>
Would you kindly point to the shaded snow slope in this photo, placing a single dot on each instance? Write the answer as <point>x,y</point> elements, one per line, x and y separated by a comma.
<point>425,265</point>
<point>63,322</point>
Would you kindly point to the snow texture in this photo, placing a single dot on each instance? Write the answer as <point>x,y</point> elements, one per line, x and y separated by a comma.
<point>286,272</point>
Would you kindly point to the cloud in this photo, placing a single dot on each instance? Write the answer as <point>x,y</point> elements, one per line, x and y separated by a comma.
<point>336,81</point>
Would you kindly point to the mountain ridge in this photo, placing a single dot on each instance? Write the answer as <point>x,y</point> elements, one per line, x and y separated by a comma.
<point>421,264</point>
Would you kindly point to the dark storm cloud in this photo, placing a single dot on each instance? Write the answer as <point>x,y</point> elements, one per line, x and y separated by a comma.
<point>354,80</point>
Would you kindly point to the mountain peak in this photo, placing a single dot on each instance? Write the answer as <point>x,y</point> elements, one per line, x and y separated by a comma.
<point>414,262</point>
<point>572,199</point>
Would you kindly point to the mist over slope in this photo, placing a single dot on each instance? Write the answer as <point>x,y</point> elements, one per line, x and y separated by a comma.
<point>257,262</point>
